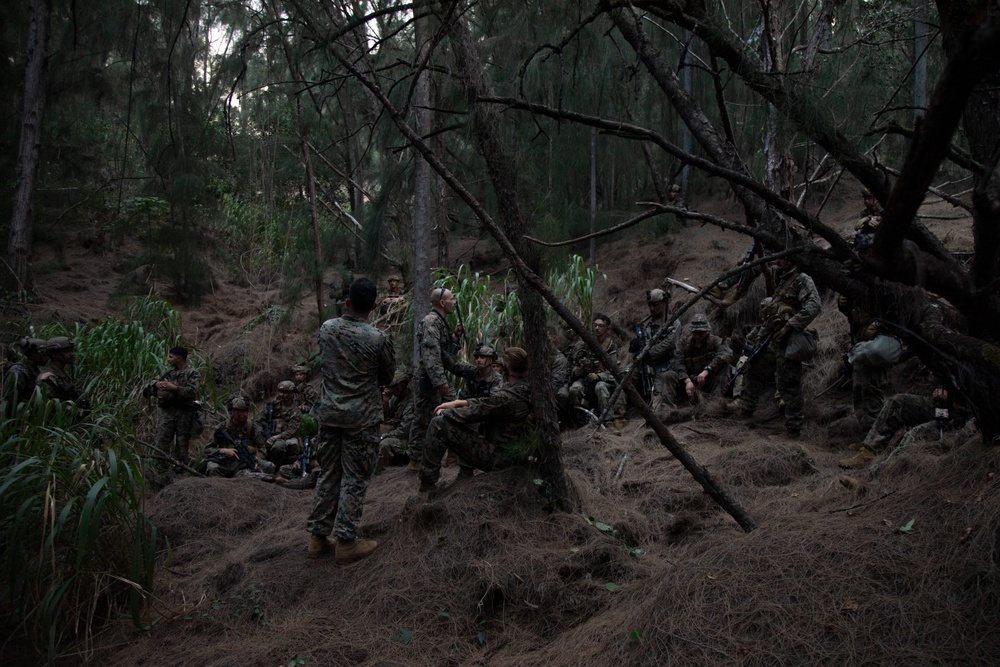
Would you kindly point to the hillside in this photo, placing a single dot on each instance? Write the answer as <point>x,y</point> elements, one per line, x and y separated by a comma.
<point>895,565</point>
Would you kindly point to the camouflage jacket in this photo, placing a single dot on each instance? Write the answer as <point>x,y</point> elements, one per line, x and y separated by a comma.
<point>437,346</point>
<point>476,387</point>
<point>506,414</point>
<point>661,353</point>
<point>798,292</point>
<point>690,360</point>
<point>306,396</point>
<point>188,381</point>
<point>399,414</point>
<point>560,370</point>
<point>287,421</point>
<point>19,382</point>
<point>59,384</point>
<point>585,362</point>
<point>249,436</point>
<point>356,359</point>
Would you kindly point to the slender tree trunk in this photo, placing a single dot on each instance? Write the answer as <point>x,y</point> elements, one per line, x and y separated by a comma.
<point>314,211</point>
<point>35,89</point>
<point>422,232</point>
<point>495,145</point>
<point>592,248</point>
<point>921,40</point>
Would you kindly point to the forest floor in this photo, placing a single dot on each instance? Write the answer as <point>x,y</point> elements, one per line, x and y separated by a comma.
<point>893,565</point>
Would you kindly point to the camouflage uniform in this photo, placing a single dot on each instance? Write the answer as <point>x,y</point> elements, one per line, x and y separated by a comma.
<point>437,346</point>
<point>178,412</point>
<point>795,304</point>
<point>248,436</point>
<point>58,383</point>
<point>399,415</point>
<point>689,361</point>
<point>306,396</point>
<point>475,386</point>
<point>915,413</point>
<point>595,392</point>
<point>287,422</point>
<point>19,382</point>
<point>661,353</point>
<point>506,416</point>
<point>561,372</point>
<point>357,359</point>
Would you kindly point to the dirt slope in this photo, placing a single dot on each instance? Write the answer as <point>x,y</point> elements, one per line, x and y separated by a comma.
<point>646,570</point>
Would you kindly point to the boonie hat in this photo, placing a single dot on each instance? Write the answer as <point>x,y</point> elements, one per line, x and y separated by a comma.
<point>655,296</point>
<point>699,323</point>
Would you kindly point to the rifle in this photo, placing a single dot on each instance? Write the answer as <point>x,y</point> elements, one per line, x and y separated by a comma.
<point>645,376</point>
<point>742,368</point>
<point>270,423</point>
<point>243,453</point>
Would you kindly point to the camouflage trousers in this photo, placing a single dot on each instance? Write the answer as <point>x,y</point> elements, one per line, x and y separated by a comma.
<point>866,392</point>
<point>463,440</point>
<point>173,432</point>
<point>787,375</point>
<point>347,460</point>
<point>423,412</point>
<point>284,452</point>
<point>393,451</point>
<point>910,411</point>
<point>674,390</point>
<point>602,392</point>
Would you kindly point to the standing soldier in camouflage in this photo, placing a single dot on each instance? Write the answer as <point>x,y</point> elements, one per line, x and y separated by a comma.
<point>20,380</point>
<point>57,379</point>
<point>594,384</point>
<point>701,363</point>
<point>437,347</point>
<point>397,408</point>
<point>306,395</point>
<point>356,359</point>
<point>794,305</point>
<point>660,355</point>
<point>283,446</point>
<point>505,415</point>
<point>867,224</point>
<point>176,393</point>
<point>480,378</point>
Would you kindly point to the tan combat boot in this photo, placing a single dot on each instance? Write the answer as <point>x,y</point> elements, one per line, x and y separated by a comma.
<point>319,546</point>
<point>354,550</point>
<point>859,460</point>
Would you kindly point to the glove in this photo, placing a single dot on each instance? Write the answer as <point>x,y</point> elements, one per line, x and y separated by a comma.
<point>593,377</point>
<point>782,333</point>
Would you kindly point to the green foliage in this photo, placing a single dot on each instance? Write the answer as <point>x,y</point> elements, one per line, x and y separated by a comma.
<point>78,546</point>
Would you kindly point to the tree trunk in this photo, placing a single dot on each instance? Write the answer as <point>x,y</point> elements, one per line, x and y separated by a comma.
<point>422,232</point>
<point>921,40</point>
<point>496,147</point>
<point>35,90</point>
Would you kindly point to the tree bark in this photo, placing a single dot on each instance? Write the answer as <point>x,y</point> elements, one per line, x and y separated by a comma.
<point>422,232</point>
<point>22,221</point>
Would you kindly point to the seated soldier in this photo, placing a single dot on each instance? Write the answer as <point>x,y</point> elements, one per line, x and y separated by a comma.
<point>280,424</point>
<point>925,417</point>
<point>560,377</point>
<point>480,378</point>
<point>593,383</point>
<point>505,415</point>
<point>235,444</point>
<point>701,363</point>
<point>305,394</point>
<point>397,409</point>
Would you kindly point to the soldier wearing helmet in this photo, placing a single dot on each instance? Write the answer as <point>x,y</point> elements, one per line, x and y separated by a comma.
<point>236,442</point>
<point>20,379</point>
<point>281,423</point>
<point>700,359</point>
<point>305,394</point>
<point>653,376</point>
<point>479,378</point>
<point>674,196</point>
<point>58,378</point>
<point>176,392</point>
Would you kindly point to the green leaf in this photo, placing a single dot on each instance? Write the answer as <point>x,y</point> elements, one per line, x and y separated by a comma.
<point>636,551</point>
<point>481,637</point>
<point>907,527</point>
<point>444,613</point>
<point>635,635</point>
<point>403,637</point>
<point>612,586</point>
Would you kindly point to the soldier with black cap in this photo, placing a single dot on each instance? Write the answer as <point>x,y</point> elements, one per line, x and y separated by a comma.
<point>20,379</point>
